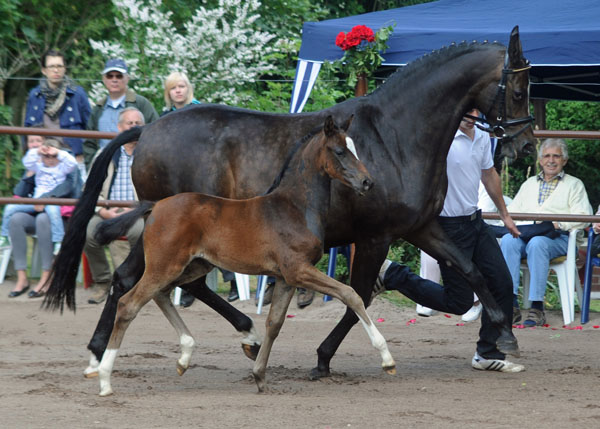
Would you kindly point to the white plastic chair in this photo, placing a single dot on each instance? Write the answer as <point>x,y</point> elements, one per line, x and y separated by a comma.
<point>36,262</point>
<point>565,268</point>
<point>242,281</point>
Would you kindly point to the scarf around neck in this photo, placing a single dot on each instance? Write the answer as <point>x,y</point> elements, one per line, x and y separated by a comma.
<point>55,98</point>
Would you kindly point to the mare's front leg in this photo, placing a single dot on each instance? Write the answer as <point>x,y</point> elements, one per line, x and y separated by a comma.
<point>365,268</point>
<point>310,277</point>
<point>282,295</point>
<point>186,341</point>
<point>124,278</point>
<point>433,240</point>
<point>241,322</point>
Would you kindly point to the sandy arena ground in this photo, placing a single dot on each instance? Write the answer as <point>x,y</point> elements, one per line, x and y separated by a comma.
<point>43,355</point>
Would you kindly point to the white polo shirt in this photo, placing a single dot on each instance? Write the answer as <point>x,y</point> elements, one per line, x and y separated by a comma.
<point>465,161</point>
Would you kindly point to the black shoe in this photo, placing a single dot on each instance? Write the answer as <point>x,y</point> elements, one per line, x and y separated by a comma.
<point>186,299</point>
<point>16,293</point>
<point>233,292</point>
<point>305,297</point>
<point>268,297</point>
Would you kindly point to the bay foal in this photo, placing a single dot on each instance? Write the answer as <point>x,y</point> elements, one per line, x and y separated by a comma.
<point>279,234</point>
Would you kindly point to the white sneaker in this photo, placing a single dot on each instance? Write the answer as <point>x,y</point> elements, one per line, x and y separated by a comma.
<point>495,365</point>
<point>379,286</point>
<point>473,314</point>
<point>425,311</point>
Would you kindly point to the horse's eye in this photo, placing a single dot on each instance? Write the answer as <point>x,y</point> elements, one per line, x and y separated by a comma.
<point>518,95</point>
<point>340,151</point>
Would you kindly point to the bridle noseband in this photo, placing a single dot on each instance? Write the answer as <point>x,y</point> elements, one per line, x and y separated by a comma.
<point>499,129</point>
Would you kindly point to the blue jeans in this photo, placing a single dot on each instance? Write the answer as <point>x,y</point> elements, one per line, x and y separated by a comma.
<point>56,223</point>
<point>538,251</point>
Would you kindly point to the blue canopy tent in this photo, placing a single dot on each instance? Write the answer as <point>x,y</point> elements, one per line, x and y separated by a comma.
<point>560,38</point>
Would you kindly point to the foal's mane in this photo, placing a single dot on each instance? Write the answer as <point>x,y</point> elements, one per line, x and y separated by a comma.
<point>436,59</point>
<point>299,144</point>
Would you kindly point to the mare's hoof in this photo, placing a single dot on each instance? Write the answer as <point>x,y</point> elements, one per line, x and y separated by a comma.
<point>508,345</point>
<point>106,392</point>
<point>391,370</point>
<point>251,351</point>
<point>316,374</point>
<point>181,369</point>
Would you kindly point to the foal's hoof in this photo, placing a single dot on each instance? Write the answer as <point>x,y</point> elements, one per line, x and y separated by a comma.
<point>391,370</point>
<point>316,373</point>
<point>181,369</point>
<point>91,374</point>
<point>251,350</point>
<point>508,345</point>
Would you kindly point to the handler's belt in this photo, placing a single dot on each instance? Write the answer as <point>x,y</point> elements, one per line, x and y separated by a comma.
<point>460,219</point>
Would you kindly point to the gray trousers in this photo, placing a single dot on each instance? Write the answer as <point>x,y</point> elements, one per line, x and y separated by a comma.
<point>22,224</point>
<point>95,252</point>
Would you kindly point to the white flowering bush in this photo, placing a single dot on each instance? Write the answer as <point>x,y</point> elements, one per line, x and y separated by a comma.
<point>220,49</point>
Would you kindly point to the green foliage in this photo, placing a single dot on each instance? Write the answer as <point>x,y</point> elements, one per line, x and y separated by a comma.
<point>11,168</point>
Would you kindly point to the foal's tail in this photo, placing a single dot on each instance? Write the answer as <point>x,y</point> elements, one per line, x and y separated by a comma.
<point>64,270</point>
<point>111,229</point>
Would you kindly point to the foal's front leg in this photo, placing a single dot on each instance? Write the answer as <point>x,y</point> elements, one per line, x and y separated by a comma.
<point>282,295</point>
<point>185,337</point>
<point>311,278</point>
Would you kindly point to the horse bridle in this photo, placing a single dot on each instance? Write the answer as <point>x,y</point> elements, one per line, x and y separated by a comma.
<point>499,129</point>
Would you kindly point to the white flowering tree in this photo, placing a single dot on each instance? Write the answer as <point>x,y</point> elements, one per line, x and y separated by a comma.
<point>220,49</point>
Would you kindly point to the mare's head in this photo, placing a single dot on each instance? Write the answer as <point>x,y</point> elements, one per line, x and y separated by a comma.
<point>338,158</point>
<point>509,115</point>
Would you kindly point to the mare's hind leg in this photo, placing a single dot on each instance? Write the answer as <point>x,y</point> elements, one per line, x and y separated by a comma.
<point>124,278</point>
<point>282,295</point>
<point>310,277</point>
<point>241,322</point>
<point>365,268</point>
<point>185,337</point>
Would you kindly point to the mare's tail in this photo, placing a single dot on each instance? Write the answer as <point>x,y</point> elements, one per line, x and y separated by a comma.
<point>111,229</point>
<point>64,270</point>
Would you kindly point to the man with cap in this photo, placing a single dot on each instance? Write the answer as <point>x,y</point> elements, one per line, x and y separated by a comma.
<point>105,113</point>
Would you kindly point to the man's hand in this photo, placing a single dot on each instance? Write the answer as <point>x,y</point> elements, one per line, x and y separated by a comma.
<point>512,228</point>
<point>113,212</point>
<point>596,227</point>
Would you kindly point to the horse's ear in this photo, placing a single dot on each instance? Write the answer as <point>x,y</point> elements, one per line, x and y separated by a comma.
<point>329,126</point>
<point>515,51</point>
<point>347,123</point>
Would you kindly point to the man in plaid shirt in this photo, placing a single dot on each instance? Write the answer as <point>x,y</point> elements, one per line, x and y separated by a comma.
<point>117,186</point>
<point>554,192</point>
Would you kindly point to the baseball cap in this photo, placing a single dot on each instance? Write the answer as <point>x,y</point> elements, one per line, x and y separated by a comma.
<point>115,64</point>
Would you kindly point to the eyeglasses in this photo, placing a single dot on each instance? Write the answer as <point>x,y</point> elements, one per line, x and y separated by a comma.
<point>114,76</point>
<point>55,67</point>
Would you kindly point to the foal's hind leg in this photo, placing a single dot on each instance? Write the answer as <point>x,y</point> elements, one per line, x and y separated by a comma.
<point>185,337</point>
<point>282,295</point>
<point>128,308</point>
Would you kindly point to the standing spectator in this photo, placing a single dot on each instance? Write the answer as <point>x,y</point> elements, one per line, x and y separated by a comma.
<point>554,192</point>
<point>51,166</point>
<point>117,186</point>
<point>179,92</point>
<point>105,113</point>
<point>57,102</point>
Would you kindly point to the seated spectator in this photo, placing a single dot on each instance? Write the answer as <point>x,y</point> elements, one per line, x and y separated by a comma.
<point>117,186</point>
<point>57,102</point>
<point>105,113</point>
<point>179,92</point>
<point>595,248</point>
<point>51,167</point>
<point>554,192</point>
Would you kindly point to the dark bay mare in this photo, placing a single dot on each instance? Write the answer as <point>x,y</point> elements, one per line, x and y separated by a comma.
<point>402,132</point>
<point>280,234</point>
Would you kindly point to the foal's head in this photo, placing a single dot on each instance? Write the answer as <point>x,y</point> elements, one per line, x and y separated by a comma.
<point>338,158</point>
